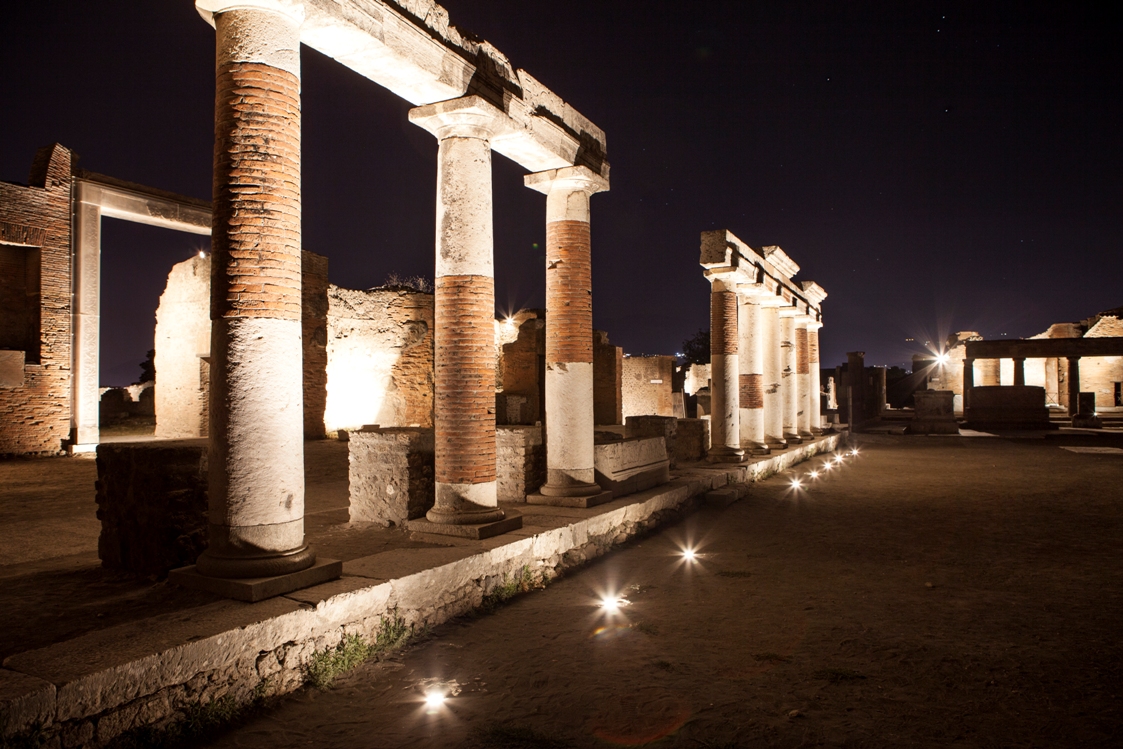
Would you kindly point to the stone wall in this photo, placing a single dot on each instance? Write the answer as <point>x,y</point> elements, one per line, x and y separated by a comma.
<point>390,474</point>
<point>314,333</point>
<point>520,368</point>
<point>35,242</point>
<point>1103,375</point>
<point>646,385</point>
<point>183,347</point>
<point>608,370</point>
<point>520,462</point>
<point>379,358</point>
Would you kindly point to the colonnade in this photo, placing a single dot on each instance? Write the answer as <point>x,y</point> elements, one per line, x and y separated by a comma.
<point>764,345</point>
<point>256,463</point>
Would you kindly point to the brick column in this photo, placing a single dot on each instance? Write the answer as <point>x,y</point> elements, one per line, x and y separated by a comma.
<point>803,377</point>
<point>773,374</point>
<point>725,433</point>
<point>464,312</point>
<point>815,386</point>
<point>789,377</point>
<point>751,375</point>
<point>256,457</point>
<point>569,330</point>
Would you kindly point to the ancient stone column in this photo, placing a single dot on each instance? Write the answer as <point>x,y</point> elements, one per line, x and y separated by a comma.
<point>803,378</point>
<point>1019,371</point>
<point>773,374</point>
<point>751,375</point>
<point>464,311</point>
<point>789,372</point>
<point>968,381</point>
<point>814,385</point>
<point>1073,385</point>
<point>569,330</point>
<point>256,457</point>
<point>725,434</point>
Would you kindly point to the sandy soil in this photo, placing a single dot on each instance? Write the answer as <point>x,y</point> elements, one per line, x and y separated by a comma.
<point>931,592</point>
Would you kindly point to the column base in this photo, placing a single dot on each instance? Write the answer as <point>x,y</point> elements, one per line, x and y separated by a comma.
<point>539,498</point>
<point>254,589</point>
<point>242,567</point>
<point>805,434</point>
<point>793,438</point>
<point>776,443</point>
<point>757,448</point>
<point>569,489</point>
<point>726,455</point>
<point>817,431</point>
<point>510,521</point>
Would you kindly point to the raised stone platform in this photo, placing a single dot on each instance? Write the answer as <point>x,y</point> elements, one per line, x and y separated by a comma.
<point>87,690</point>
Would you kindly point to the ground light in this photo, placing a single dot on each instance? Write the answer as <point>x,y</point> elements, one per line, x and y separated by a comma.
<point>797,484</point>
<point>434,699</point>
<point>612,604</point>
<point>688,555</point>
<point>814,474</point>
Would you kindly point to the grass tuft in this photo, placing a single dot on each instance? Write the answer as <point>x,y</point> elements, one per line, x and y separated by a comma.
<point>326,665</point>
<point>511,586</point>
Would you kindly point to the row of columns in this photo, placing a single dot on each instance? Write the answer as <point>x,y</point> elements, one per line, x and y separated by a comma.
<point>1020,377</point>
<point>256,509</point>
<point>764,369</point>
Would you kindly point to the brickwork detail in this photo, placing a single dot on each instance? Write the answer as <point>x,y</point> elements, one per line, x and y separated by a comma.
<point>802,361</point>
<point>723,323</point>
<point>569,292</point>
<point>35,418</point>
<point>751,387</point>
<point>465,380</point>
<point>812,348</point>
<point>256,240</point>
<point>313,331</point>
<point>608,369</point>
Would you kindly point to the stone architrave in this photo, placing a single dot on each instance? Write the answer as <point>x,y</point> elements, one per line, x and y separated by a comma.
<point>751,374</point>
<point>570,468</point>
<point>464,316</point>
<point>256,503</point>
<point>725,431</point>
<point>789,375</point>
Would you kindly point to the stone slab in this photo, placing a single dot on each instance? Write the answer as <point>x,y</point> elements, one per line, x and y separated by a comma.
<point>584,502</point>
<point>25,702</point>
<point>254,589</point>
<point>11,369</point>
<point>390,565</point>
<point>721,497</point>
<point>479,531</point>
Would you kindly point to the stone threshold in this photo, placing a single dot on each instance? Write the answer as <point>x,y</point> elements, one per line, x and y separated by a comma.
<point>88,690</point>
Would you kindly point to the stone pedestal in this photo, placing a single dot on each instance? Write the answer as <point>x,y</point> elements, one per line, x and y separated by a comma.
<point>390,474</point>
<point>1086,417</point>
<point>520,461</point>
<point>655,426</point>
<point>1007,407</point>
<point>692,440</point>
<point>632,465</point>
<point>934,413</point>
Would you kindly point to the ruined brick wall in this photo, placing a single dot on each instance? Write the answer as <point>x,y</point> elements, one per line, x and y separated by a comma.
<point>183,344</point>
<point>520,368</point>
<point>608,372</point>
<point>35,234</point>
<point>646,386</point>
<point>379,358</point>
<point>314,332</point>
<point>1103,375</point>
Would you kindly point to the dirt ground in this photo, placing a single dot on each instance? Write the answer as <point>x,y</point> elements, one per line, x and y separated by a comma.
<point>929,592</point>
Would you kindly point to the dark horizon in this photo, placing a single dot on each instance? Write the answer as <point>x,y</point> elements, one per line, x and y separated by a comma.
<point>935,167</point>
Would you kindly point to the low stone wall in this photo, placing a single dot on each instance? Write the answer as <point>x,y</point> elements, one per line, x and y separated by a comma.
<point>390,474</point>
<point>152,504</point>
<point>631,465</point>
<point>692,440</point>
<point>654,426</point>
<point>520,461</point>
<point>934,413</point>
<point>150,673</point>
<point>1007,407</point>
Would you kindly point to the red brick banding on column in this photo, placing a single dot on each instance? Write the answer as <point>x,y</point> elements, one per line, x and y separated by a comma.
<point>751,391</point>
<point>464,423</point>
<point>813,346</point>
<point>569,292</point>
<point>256,238</point>
<point>723,323</point>
<point>801,351</point>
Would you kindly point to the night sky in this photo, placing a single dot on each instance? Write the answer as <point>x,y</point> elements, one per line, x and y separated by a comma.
<point>934,166</point>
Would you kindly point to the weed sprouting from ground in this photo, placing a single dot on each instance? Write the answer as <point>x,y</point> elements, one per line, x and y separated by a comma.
<point>496,736</point>
<point>326,665</point>
<point>838,675</point>
<point>512,585</point>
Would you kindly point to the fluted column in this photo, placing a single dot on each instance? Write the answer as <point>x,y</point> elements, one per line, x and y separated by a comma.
<point>725,436</point>
<point>751,374</point>
<point>814,385</point>
<point>464,312</point>
<point>256,458</point>
<point>569,330</point>
<point>773,374</point>
<point>803,377</point>
<point>789,379</point>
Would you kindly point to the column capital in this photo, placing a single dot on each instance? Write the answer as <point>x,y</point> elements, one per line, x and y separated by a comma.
<point>568,178</point>
<point>814,325</point>
<point>466,117</point>
<point>791,312</point>
<point>294,9</point>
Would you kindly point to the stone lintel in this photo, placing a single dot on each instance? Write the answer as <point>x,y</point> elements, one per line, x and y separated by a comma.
<point>145,205</point>
<point>597,499</point>
<point>759,273</point>
<point>258,588</point>
<point>477,531</point>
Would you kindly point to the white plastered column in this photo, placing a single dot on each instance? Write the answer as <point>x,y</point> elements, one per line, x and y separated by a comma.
<point>803,377</point>
<point>569,330</point>
<point>87,321</point>
<point>725,432</point>
<point>751,373</point>
<point>464,358</point>
<point>814,384</point>
<point>256,455</point>
<point>789,379</point>
<point>773,373</point>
